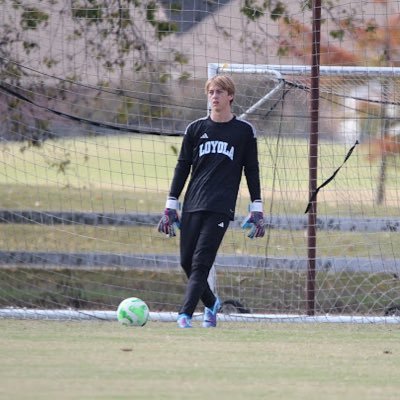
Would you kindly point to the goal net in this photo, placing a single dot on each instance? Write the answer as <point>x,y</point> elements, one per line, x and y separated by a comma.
<point>89,137</point>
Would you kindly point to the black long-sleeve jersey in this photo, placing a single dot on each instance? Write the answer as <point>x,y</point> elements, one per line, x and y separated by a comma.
<point>216,153</point>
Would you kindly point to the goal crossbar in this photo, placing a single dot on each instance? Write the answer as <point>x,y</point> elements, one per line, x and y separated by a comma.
<point>324,70</point>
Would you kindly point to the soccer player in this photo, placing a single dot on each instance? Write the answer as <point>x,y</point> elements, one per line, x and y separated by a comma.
<point>215,150</point>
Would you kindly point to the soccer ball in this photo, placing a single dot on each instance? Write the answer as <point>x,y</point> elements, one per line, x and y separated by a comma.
<point>133,312</point>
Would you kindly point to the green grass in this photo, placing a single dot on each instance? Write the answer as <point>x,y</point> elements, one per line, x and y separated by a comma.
<point>53,198</point>
<point>145,240</point>
<point>103,360</point>
<point>133,173</point>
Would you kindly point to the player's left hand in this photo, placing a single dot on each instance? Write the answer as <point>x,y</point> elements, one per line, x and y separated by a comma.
<point>255,221</point>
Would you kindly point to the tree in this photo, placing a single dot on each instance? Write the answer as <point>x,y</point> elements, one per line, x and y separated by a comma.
<point>113,37</point>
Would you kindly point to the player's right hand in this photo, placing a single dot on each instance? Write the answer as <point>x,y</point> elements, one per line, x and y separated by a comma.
<point>170,219</point>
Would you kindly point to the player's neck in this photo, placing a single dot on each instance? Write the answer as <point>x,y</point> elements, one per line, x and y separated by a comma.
<point>221,116</point>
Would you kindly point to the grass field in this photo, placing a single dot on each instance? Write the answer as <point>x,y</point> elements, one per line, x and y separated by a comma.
<point>145,163</point>
<point>83,238</point>
<point>133,172</point>
<point>103,360</point>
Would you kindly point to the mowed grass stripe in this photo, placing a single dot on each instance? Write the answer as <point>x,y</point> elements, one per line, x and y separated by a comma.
<point>103,360</point>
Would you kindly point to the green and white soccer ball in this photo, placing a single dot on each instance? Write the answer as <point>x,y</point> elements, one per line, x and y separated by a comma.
<point>133,312</point>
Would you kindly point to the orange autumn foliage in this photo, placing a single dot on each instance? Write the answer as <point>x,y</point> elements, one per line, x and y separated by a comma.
<point>389,145</point>
<point>297,38</point>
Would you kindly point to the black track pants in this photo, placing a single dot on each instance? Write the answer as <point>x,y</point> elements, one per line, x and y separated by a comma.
<point>201,235</point>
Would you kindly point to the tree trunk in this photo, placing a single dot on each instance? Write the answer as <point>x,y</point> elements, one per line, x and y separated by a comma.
<point>380,194</point>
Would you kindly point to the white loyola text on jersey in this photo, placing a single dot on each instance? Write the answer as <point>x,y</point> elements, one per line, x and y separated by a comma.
<point>216,146</point>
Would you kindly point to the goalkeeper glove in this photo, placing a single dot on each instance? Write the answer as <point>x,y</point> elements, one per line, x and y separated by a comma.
<point>170,219</point>
<point>255,220</point>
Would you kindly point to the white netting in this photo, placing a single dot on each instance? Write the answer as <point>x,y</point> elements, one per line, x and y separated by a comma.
<point>94,100</point>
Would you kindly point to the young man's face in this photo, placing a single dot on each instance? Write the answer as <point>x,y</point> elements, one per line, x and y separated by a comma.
<point>218,98</point>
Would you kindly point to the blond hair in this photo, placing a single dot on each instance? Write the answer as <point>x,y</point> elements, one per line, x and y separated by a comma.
<point>225,82</point>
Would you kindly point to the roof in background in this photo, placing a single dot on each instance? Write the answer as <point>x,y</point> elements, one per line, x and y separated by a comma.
<point>187,13</point>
